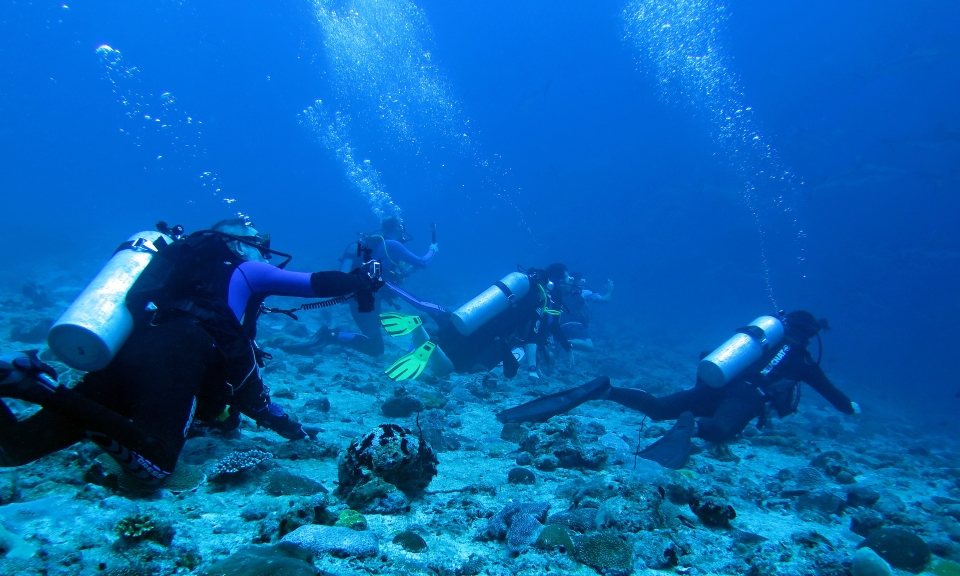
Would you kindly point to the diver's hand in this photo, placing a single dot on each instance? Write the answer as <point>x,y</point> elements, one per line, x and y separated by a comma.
<point>273,417</point>
<point>312,431</point>
<point>370,275</point>
<point>435,247</point>
<point>856,408</point>
<point>17,366</point>
<point>609,286</point>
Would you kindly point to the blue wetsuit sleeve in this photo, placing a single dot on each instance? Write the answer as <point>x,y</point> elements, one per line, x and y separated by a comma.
<point>263,279</point>
<point>399,252</point>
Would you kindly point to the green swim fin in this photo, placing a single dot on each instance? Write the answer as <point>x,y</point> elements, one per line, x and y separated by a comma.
<point>411,365</point>
<point>399,324</point>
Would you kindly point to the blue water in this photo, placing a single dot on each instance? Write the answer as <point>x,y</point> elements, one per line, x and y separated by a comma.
<point>728,159</point>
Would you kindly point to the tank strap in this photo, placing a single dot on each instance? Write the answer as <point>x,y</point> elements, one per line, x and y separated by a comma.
<point>142,245</point>
<point>756,333</point>
<point>511,297</point>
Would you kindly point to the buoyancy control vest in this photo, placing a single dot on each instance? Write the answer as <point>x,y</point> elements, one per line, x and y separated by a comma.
<point>189,279</point>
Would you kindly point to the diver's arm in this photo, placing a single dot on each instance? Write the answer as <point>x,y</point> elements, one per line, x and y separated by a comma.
<point>261,278</point>
<point>813,375</point>
<point>398,252</point>
<point>608,295</point>
<point>252,399</point>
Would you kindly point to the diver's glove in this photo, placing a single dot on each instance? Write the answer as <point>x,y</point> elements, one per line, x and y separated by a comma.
<point>856,408</point>
<point>25,377</point>
<point>273,417</point>
<point>435,247</point>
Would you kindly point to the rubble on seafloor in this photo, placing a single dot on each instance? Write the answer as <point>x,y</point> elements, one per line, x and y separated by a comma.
<point>454,492</point>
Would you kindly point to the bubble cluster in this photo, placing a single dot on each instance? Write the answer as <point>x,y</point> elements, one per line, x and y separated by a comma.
<point>378,55</point>
<point>334,135</point>
<point>155,123</point>
<point>679,43</point>
<point>375,50</point>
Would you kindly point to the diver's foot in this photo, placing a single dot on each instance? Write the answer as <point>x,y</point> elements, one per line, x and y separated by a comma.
<point>545,407</point>
<point>533,374</point>
<point>673,449</point>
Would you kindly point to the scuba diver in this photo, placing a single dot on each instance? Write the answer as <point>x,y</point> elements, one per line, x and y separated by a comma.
<point>189,354</point>
<point>576,322</point>
<point>397,262</point>
<point>510,321</point>
<point>753,373</point>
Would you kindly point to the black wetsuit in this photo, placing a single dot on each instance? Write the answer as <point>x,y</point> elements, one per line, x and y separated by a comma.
<point>530,321</point>
<point>194,359</point>
<point>724,412</point>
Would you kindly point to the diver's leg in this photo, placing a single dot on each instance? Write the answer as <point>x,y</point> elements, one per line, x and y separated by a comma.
<point>41,434</point>
<point>440,364</point>
<point>583,345</point>
<point>370,342</point>
<point>741,405</point>
<point>140,407</point>
<point>701,400</point>
<point>434,310</point>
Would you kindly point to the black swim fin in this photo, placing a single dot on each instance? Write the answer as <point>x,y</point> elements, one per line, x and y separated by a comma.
<point>673,450</point>
<point>545,407</point>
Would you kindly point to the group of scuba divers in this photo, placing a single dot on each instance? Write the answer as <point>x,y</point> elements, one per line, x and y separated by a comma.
<point>166,336</point>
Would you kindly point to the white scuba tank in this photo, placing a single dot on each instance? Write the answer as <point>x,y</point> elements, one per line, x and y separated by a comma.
<point>743,349</point>
<point>491,302</point>
<point>96,325</point>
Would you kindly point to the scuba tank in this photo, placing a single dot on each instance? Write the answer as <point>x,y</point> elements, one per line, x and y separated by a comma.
<point>740,351</point>
<point>491,302</point>
<point>95,326</point>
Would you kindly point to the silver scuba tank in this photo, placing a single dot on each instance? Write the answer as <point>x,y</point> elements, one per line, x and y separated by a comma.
<point>95,326</point>
<point>743,349</point>
<point>489,303</point>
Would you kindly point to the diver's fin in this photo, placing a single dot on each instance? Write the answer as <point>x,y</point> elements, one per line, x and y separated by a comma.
<point>545,407</point>
<point>411,365</point>
<point>397,324</point>
<point>673,450</point>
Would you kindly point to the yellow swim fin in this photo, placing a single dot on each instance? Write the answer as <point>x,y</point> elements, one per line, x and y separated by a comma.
<point>411,365</point>
<point>399,324</point>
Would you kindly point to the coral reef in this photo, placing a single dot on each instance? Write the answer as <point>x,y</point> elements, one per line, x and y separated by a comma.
<point>145,527</point>
<point>334,540</point>
<point>283,559</point>
<point>238,462</point>
<point>351,519</point>
<point>900,548</point>
<point>384,461</point>
<point>410,541</point>
<point>605,553</point>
